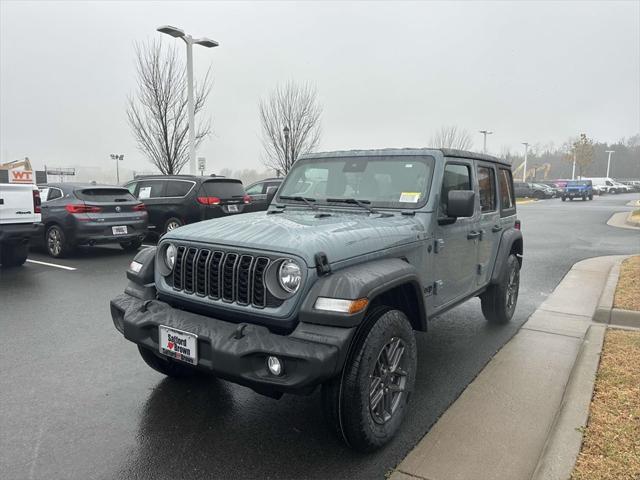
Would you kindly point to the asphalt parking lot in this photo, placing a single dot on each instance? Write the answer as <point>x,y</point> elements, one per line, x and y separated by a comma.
<point>78,402</point>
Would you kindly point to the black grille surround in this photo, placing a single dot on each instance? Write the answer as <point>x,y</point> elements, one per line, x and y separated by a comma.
<point>225,276</point>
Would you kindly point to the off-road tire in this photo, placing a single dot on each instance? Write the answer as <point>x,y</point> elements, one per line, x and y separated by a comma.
<point>346,399</point>
<point>171,223</point>
<point>564,199</point>
<point>63,249</point>
<point>591,197</point>
<point>131,246</point>
<point>166,366</point>
<point>497,305</point>
<point>584,198</point>
<point>13,254</point>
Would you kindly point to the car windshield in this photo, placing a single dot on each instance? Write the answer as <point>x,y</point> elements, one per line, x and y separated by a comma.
<point>577,184</point>
<point>384,181</point>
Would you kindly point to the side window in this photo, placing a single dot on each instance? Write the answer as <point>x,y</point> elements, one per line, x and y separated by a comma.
<point>456,177</point>
<point>487,186</point>
<point>255,189</point>
<point>131,187</point>
<point>151,189</point>
<point>54,193</point>
<point>507,197</point>
<point>177,188</point>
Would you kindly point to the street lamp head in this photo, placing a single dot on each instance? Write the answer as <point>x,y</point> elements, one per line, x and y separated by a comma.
<point>173,31</point>
<point>286,131</point>
<point>206,42</point>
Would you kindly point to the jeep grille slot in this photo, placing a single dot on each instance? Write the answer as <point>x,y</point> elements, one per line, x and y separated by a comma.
<point>227,276</point>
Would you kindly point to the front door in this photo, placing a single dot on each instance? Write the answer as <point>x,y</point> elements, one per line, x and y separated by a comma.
<point>456,242</point>
<point>489,224</point>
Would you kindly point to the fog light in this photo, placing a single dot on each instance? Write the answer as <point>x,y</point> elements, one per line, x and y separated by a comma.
<point>274,365</point>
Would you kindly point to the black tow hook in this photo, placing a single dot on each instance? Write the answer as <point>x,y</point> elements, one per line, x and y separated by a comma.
<point>239,333</point>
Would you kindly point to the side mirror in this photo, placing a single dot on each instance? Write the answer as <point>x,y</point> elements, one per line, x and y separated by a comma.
<point>271,192</point>
<point>461,203</point>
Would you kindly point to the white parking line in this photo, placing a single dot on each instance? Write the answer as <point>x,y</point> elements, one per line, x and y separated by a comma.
<point>51,265</point>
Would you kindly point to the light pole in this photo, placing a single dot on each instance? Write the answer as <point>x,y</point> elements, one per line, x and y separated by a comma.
<point>286,147</point>
<point>190,41</point>
<point>609,160</point>
<point>526,154</point>
<point>484,144</point>
<point>118,158</point>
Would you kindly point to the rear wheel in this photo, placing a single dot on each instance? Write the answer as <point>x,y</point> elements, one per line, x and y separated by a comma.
<point>367,403</point>
<point>56,242</point>
<point>13,254</point>
<point>499,300</point>
<point>131,246</point>
<point>166,366</point>
<point>584,198</point>
<point>591,196</point>
<point>564,199</point>
<point>538,195</point>
<point>172,224</point>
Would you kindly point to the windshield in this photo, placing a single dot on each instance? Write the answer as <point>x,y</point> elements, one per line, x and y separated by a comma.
<point>225,189</point>
<point>578,184</point>
<point>391,181</point>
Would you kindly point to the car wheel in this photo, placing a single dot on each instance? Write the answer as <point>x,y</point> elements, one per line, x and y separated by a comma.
<point>131,246</point>
<point>591,197</point>
<point>172,224</point>
<point>564,199</point>
<point>13,254</point>
<point>571,199</point>
<point>56,242</point>
<point>166,366</point>
<point>499,300</point>
<point>584,198</point>
<point>368,401</point>
<point>538,195</point>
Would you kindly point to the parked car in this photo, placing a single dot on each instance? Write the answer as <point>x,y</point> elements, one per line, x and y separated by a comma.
<point>19,219</point>
<point>550,190</point>
<point>532,190</point>
<point>606,185</point>
<point>578,189</point>
<point>75,214</point>
<point>259,191</point>
<point>176,200</point>
<point>328,290</point>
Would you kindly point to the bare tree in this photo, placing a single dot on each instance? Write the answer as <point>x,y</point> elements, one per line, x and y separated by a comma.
<point>158,113</point>
<point>452,137</point>
<point>295,107</point>
<point>582,151</point>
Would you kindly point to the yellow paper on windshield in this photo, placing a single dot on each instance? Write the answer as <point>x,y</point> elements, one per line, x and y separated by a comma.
<point>410,197</point>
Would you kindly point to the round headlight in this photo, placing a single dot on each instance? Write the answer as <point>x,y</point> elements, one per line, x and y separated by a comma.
<point>170,256</point>
<point>289,276</point>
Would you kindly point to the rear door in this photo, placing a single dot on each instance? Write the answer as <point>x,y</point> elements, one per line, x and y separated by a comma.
<point>223,197</point>
<point>151,192</point>
<point>489,225</point>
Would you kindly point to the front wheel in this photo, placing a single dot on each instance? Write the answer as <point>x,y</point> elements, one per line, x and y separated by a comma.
<point>172,224</point>
<point>591,197</point>
<point>367,403</point>
<point>564,199</point>
<point>56,242</point>
<point>499,300</point>
<point>13,254</point>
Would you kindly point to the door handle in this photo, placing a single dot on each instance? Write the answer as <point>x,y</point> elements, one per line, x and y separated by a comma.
<point>496,228</point>
<point>473,235</point>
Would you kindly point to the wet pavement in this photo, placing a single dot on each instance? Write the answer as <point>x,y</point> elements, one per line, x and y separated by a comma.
<point>77,401</point>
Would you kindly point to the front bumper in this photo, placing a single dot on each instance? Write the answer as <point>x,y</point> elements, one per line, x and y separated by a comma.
<point>576,194</point>
<point>311,354</point>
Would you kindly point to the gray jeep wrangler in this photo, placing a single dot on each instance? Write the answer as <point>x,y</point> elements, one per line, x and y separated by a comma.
<point>356,252</point>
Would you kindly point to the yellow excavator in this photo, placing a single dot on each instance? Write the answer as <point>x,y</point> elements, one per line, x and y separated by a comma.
<point>532,172</point>
<point>18,171</point>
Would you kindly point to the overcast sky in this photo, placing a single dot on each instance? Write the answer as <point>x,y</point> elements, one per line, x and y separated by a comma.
<point>388,74</point>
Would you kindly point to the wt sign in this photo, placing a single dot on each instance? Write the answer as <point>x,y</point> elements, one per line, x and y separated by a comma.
<point>20,176</point>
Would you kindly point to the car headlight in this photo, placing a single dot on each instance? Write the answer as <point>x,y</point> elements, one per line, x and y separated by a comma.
<point>170,256</point>
<point>289,276</point>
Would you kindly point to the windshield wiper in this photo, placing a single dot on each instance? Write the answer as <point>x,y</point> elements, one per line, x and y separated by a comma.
<point>353,201</point>
<point>298,198</point>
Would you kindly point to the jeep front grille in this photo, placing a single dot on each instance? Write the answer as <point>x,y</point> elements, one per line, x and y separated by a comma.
<point>227,276</point>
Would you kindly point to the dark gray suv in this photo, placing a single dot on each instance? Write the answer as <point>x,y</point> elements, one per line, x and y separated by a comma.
<point>357,251</point>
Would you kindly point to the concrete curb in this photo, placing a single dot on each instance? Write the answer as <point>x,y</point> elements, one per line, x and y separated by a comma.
<point>606,313</point>
<point>521,417</point>
<point>630,221</point>
<point>619,220</point>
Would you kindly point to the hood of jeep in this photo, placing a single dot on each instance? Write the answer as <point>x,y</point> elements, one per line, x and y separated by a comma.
<point>341,236</point>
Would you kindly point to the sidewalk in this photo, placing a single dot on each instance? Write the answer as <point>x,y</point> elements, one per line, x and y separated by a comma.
<point>501,424</point>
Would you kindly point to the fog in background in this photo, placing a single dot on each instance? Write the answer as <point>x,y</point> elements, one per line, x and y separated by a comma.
<point>388,74</point>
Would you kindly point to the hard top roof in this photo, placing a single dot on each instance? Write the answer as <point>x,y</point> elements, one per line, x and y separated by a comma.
<point>447,152</point>
<point>204,178</point>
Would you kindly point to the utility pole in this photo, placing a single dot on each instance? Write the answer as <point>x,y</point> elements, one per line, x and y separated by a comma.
<point>609,160</point>
<point>526,154</point>
<point>573,169</point>
<point>190,41</point>
<point>484,144</point>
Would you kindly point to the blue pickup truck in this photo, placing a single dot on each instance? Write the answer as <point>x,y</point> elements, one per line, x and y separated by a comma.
<point>578,189</point>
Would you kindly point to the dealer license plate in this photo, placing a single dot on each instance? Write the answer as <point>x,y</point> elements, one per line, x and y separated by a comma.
<point>119,230</point>
<point>178,344</point>
<point>232,208</point>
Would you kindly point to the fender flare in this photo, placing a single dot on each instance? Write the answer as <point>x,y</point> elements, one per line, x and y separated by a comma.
<point>510,238</point>
<point>366,280</point>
